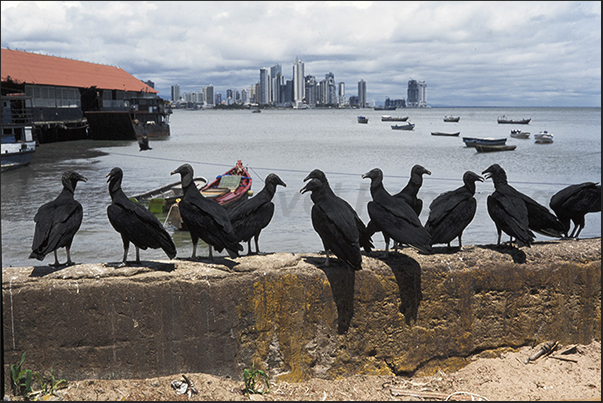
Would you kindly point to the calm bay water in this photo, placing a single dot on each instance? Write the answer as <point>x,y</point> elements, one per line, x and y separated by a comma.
<point>291,143</point>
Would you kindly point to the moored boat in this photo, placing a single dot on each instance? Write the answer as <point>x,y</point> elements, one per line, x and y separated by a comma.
<point>406,126</point>
<point>520,134</point>
<point>445,134</point>
<point>18,144</point>
<point>450,118</point>
<point>481,148</point>
<point>159,200</point>
<point>362,119</point>
<point>389,118</point>
<point>505,119</point>
<point>544,137</point>
<point>473,141</point>
<point>227,189</point>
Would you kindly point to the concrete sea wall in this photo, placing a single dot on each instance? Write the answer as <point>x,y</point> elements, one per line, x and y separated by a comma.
<point>296,318</point>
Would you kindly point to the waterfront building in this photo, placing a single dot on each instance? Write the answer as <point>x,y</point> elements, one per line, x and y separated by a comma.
<point>288,93</point>
<point>362,94</point>
<point>74,100</point>
<point>209,96</point>
<point>299,87</point>
<point>413,94</point>
<point>331,89</point>
<point>311,91</point>
<point>277,79</point>
<point>264,86</point>
<point>341,93</point>
<point>175,93</point>
<point>422,94</point>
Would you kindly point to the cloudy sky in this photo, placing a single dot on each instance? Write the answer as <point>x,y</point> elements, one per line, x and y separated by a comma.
<point>516,53</point>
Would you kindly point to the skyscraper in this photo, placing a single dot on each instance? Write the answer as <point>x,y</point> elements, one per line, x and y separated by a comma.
<point>362,93</point>
<point>208,94</point>
<point>341,93</point>
<point>422,94</point>
<point>412,94</point>
<point>331,90</point>
<point>298,83</point>
<point>264,87</point>
<point>276,80</point>
<point>175,92</point>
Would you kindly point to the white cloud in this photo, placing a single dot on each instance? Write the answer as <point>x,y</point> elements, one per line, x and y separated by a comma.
<point>550,52</point>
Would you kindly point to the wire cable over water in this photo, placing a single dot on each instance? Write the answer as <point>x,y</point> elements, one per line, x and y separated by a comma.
<point>326,172</point>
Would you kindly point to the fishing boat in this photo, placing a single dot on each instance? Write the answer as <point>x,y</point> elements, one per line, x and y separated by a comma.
<point>159,200</point>
<point>407,126</point>
<point>389,118</point>
<point>362,119</point>
<point>544,137</point>
<point>450,118</point>
<point>480,148</point>
<point>18,144</point>
<point>228,189</point>
<point>473,141</point>
<point>256,111</point>
<point>445,134</point>
<point>520,134</point>
<point>504,119</point>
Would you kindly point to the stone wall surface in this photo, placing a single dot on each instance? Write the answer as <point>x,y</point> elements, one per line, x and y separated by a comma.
<point>296,318</point>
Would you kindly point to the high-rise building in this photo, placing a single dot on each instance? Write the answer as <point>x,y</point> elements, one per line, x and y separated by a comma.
<point>422,94</point>
<point>362,94</point>
<point>331,95</point>
<point>209,96</point>
<point>288,93</point>
<point>412,94</point>
<point>277,79</point>
<point>175,92</point>
<point>341,93</point>
<point>299,87</point>
<point>264,87</point>
<point>311,91</point>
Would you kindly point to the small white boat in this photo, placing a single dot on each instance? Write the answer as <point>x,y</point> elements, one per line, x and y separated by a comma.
<point>544,137</point>
<point>450,118</point>
<point>520,134</point>
<point>406,126</point>
<point>362,119</point>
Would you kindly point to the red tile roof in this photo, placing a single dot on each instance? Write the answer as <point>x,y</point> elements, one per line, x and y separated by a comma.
<point>33,68</point>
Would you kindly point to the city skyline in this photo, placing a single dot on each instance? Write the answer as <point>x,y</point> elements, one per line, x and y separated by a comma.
<point>469,53</point>
<point>275,89</point>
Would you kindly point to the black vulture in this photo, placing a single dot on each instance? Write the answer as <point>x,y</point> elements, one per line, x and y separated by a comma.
<point>410,191</point>
<point>143,143</point>
<point>251,216</point>
<point>451,212</point>
<point>573,203</point>
<point>394,217</point>
<point>205,218</point>
<point>507,208</point>
<point>57,221</point>
<point>364,237</point>
<point>134,222</point>
<point>336,226</point>
<point>540,219</point>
